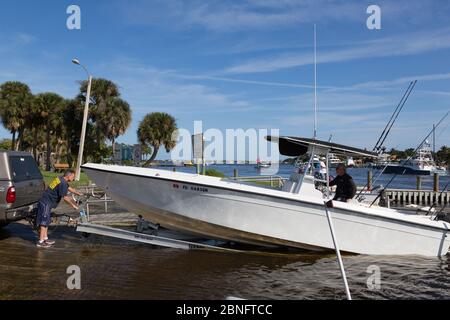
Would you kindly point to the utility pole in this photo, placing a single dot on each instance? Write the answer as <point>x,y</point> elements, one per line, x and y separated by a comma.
<point>85,117</point>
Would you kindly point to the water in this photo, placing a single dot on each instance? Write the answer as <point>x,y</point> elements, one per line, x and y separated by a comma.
<point>359,175</point>
<point>116,269</point>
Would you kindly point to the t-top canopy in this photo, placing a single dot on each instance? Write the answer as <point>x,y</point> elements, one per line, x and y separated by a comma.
<point>295,146</point>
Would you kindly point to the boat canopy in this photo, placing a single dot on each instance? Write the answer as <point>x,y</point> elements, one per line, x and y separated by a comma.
<point>295,146</point>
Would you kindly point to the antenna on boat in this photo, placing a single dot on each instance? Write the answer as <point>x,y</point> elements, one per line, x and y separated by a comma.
<point>315,83</point>
<point>328,214</point>
<point>311,159</point>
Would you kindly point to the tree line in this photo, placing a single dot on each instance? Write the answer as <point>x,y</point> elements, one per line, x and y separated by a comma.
<point>49,126</point>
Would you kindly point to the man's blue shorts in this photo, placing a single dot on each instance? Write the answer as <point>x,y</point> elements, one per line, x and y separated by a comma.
<point>43,217</point>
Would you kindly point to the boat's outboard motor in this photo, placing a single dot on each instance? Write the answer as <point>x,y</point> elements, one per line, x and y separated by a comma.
<point>143,225</point>
<point>443,216</point>
<point>384,199</point>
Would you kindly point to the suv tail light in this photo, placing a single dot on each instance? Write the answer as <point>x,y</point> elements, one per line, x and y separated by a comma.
<point>11,195</point>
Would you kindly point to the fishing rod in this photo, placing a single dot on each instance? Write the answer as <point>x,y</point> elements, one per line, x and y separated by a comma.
<point>358,197</point>
<point>401,108</point>
<point>390,119</point>
<point>377,145</point>
<point>410,157</point>
<point>378,174</point>
<point>394,116</point>
<point>442,131</point>
<point>388,127</point>
<point>439,214</point>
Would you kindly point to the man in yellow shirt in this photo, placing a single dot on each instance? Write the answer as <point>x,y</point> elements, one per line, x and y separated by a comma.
<point>56,191</point>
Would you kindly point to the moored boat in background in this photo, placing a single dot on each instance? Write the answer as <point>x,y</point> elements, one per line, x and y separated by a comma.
<point>420,164</point>
<point>262,164</point>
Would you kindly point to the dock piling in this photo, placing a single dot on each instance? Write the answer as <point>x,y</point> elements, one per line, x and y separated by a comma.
<point>369,180</point>
<point>436,182</point>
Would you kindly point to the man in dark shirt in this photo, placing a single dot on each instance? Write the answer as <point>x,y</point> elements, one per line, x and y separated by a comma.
<point>50,199</point>
<point>346,188</point>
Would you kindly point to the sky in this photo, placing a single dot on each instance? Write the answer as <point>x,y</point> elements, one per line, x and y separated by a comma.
<point>245,64</point>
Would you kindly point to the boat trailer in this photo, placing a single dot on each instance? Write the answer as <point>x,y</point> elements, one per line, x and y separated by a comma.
<point>91,228</point>
<point>84,225</point>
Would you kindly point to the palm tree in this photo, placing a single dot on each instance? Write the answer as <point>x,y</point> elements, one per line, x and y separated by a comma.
<point>72,118</point>
<point>157,129</point>
<point>34,123</point>
<point>103,91</point>
<point>105,98</point>
<point>15,98</point>
<point>49,108</point>
<point>115,120</point>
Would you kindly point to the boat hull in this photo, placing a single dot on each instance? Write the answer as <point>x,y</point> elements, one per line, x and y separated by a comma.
<point>392,169</point>
<point>223,211</point>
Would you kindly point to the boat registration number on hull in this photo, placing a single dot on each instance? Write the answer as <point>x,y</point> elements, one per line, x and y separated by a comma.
<point>190,188</point>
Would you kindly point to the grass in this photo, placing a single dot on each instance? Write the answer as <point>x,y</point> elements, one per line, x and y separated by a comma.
<point>275,182</point>
<point>216,173</point>
<point>49,176</point>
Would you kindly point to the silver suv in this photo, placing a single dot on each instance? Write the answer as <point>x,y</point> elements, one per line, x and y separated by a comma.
<point>21,185</point>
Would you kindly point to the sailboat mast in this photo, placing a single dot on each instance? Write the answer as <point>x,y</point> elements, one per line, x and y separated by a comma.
<point>315,83</point>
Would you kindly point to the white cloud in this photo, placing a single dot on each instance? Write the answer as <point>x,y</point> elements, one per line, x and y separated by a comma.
<point>15,41</point>
<point>246,81</point>
<point>403,80</point>
<point>345,102</point>
<point>363,130</point>
<point>224,16</point>
<point>399,45</point>
<point>24,38</point>
<point>148,89</point>
<point>247,15</point>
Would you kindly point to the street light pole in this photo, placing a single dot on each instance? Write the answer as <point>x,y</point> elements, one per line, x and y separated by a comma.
<point>85,117</point>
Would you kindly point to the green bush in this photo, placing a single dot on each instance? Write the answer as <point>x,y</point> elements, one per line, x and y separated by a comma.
<point>5,144</point>
<point>214,173</point>
<point>127,162</point>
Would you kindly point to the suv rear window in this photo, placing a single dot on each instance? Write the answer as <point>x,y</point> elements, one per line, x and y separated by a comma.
<point>24,168</point>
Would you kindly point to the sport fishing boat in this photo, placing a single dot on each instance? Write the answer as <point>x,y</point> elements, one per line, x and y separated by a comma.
<point>293,216</point>
<point>421,164</point>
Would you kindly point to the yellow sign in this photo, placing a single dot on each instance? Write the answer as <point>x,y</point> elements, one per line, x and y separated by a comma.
<point>54,183</point>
